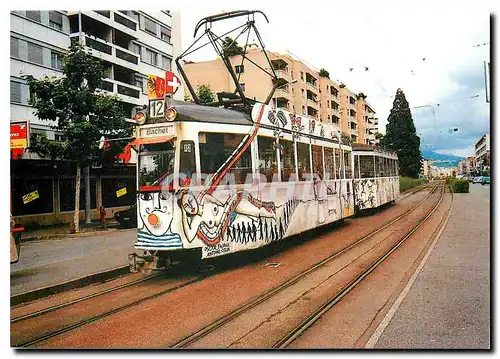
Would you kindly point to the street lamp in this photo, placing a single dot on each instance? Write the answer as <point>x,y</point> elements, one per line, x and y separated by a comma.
<point>276,97</point>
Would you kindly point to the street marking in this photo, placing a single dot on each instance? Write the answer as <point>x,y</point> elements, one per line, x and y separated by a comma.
<point>370,344</point>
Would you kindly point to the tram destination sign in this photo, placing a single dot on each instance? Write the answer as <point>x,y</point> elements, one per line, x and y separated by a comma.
<point>157,131</point>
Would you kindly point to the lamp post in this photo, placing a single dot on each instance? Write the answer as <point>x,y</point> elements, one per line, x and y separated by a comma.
<point>276,97</point>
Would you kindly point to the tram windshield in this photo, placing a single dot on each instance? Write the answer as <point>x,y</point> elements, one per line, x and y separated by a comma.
<point>156,163</point>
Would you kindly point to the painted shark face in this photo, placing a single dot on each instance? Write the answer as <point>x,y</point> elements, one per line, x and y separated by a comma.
<point>156,212</point>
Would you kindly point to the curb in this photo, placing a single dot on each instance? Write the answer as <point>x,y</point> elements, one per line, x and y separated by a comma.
<point>69,285</point>
<point>74,235</point>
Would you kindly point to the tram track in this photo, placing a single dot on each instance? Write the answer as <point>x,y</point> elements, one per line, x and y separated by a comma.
<point>192,338</point>
<point>33,340</point>
<point>329,304</point>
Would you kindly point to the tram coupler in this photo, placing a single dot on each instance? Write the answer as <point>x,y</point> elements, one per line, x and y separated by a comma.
<point>139,263</point>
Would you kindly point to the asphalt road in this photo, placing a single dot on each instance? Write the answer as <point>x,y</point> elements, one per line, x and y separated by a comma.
<point>44,263</point>
<point>448,306</point>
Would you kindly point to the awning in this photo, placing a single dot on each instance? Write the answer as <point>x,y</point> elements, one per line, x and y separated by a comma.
<point>145,141</point>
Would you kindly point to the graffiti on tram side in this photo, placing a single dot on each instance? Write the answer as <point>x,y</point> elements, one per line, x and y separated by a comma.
<point>155,226</point>
<point>365,193</point>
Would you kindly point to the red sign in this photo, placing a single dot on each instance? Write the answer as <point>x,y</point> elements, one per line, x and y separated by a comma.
<point>173,82</point>
<point>18,138</point>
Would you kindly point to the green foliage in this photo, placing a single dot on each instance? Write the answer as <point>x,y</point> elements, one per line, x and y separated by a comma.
<point>324,73</point>
<point>460,186</point>
<point>231,47</point>
<point>44,147</point>
<point>345,139</point>
<point>361,95</point>
<point>76,108</point>
<point>205,94</point>
<point>401,137</point>
<point>406,183</point>
<point>379,136</point>
<point>342,85</point>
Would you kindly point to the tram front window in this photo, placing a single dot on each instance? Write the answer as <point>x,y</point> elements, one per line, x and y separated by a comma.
<point>156,164</point>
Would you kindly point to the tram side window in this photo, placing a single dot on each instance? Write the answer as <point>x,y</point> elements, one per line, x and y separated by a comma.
<point>366,166</point>
<point>317,160</point>
<point>379,162</point>
<point>303,161</point>
<point>339,174</point>
<point>347,164</point>
<point>216,148</point>
<point>287,157</point>
<point>268,162</point>
<point>388,166</point>
<point>393,163</point>
<point>329,168</point>
<point>356,166</point>
<point>187,164</point>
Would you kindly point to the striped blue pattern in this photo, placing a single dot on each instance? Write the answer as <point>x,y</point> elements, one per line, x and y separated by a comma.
<point>148,241</point>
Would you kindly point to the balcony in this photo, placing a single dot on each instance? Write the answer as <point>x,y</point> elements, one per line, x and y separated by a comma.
<point>110,52</point>
<point>353,131</point>
<point>312,103</point>
<point>282,92</point>
<point>281,74</point>
<point>312,87</point>
<point>126,93</point>
<point>114,19</point>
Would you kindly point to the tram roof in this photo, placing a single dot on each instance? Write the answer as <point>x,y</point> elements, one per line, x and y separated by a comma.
<point>362,147</point>
<point>192,112</point>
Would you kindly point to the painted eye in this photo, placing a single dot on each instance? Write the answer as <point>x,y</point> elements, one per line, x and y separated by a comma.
<point>146,197</point>
<point>215,210</point>
<point>164,196</point>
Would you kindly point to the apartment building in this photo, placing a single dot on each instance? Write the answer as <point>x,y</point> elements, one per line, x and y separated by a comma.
<point>132,44</point>
<point>307,93</point>
<point>483,153</point>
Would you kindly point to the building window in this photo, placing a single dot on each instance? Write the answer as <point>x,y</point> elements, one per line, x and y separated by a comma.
<point>139,83</point>
<point>165,34</point>
<point>240,69</point>
<point>301,75</point>
<point>136,49</point>
<point>15,92</point>
<point>55,20</point>
<point>58,137</point>
<point>56,60</point>
<point>150,26</point>
<point>136,16</point>
<point>33,15</point>
<point>242,87</point>
<point>167,63</point>
<point>150,57</point>
<point>292,74</point>
<point>14,47</point>
<point>35,53</point>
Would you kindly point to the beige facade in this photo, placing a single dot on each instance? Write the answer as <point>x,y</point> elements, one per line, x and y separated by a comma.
<point>310,94</point>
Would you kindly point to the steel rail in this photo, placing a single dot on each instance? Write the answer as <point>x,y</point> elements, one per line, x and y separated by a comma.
<point>237,312</point>
<point>318,313</point>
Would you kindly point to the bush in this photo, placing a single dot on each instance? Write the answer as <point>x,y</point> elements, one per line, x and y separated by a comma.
<point>405,183</point>
<point>460,186</point>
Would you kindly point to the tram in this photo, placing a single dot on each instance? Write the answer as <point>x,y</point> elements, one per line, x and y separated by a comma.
<point>221,181</point>
<point>376,180</point>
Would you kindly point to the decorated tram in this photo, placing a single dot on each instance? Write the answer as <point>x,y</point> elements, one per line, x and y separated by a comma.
<point>220,181</point>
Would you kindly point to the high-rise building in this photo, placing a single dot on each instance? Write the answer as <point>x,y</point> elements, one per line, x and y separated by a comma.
<point>483,153</point>
<point>132,44</point>
<point>307,93</point>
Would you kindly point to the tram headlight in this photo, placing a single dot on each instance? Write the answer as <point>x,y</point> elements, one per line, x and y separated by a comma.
<point>170,114</point>
<point>140,118</point>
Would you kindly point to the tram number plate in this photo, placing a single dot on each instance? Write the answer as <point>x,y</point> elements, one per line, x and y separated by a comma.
<point>157,108</point>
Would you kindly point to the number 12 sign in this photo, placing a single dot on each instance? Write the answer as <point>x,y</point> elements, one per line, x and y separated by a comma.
<point>157,108</point>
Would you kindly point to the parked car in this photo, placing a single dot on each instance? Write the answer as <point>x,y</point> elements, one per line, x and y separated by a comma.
<point>477,179</point>
<point>485,180</point>
<point>128,217</point>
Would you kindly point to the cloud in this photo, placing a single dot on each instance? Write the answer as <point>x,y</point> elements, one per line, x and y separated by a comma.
<point>392,39</point>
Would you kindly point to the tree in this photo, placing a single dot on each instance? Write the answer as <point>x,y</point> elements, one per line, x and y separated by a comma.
<point>402,138</point>
<point>345,139</point>
<point>231,47</point>
<point>76,108</point>
<point>205,94</point>
<point>324,73</point>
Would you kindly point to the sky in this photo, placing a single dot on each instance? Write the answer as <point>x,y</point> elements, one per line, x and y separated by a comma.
<point>426,48</point>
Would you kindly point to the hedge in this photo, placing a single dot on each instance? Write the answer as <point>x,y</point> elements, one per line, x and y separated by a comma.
<point>405,183</point>
<point>460,186</point>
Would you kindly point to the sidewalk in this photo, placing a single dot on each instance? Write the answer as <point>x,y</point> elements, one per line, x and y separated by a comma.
<point>62,231</point>
<point>448,305</point>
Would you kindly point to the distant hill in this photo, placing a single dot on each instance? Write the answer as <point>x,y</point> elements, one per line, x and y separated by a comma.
<point>441,160</point>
